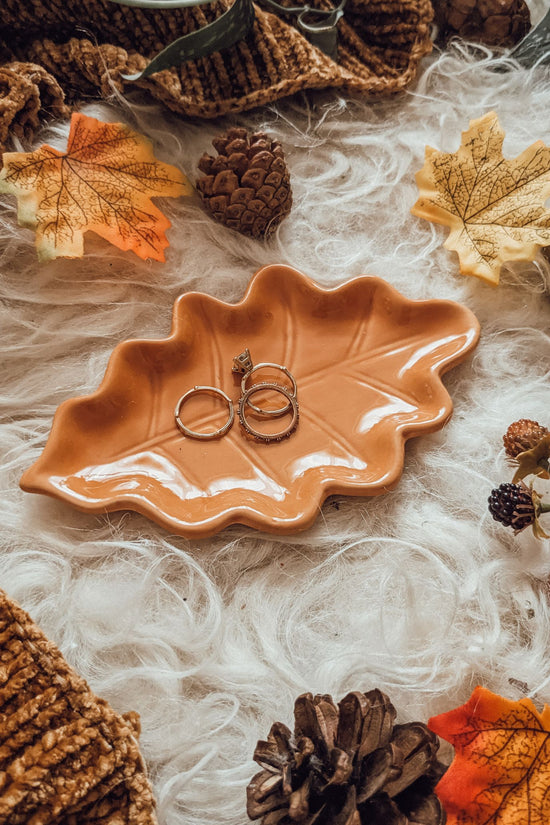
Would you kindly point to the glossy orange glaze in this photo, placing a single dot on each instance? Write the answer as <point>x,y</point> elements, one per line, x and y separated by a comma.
<point>367,362</point>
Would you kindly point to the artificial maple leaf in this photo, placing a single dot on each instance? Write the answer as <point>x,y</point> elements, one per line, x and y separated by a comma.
<point>500,774</point>
<point>494,207</point>
<point>368,365</point>
<point>102,183</point>
<point>534,461</point>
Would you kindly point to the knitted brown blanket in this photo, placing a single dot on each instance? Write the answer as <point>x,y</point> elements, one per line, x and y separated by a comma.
<point>82,47</point>
<point>65,756</point>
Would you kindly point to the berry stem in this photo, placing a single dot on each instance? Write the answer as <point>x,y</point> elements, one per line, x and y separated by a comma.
<point>544,508</point>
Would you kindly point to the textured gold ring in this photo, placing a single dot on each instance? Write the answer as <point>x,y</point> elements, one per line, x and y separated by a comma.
<point>289,375</point>
<point>204,436</point>
<point>292,405</point>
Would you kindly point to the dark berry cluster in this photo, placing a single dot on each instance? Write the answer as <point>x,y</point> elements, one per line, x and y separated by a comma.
<point>512,505</point>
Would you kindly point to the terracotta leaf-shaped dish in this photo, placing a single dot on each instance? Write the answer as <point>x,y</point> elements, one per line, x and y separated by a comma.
<point>367,362</point>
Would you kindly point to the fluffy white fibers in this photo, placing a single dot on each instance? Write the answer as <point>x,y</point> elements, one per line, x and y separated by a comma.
<point>417,592</point>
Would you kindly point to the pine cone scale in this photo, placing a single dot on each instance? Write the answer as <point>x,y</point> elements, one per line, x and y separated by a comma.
<point>316,720</point>
<point>274,817</point>
<point>262,796</point>
<point>238,163</point>
<point>378,768</point>
<point>419,808</point>
<point>418,746</point>
<point>266,193</point>
<point>298,803</point>
<point>275,179</point>
<point>342,765</point>
<point>378,723</point>
<point>225,182</point>
<point>353,709</point>
<point>384,811</point>
<point>286,778</point>
<point>241,196</point>
<point>268,783</point>
<point>263,160</point>
<point>276,751</point>
<point>348,814</point>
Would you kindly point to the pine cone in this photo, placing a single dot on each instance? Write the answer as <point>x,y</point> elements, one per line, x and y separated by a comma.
<point>247,187</point>
<point>523,435</point>
<point>493,22</point>
<point>346,765</point>
<point>513,506</point>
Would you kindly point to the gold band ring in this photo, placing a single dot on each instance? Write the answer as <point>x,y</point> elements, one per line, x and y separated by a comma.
<point>204,436</point>
<point>292,405</point>
<point>289,375</point>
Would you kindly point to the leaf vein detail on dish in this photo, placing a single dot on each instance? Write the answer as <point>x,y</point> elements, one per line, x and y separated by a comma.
<point>367,362</point>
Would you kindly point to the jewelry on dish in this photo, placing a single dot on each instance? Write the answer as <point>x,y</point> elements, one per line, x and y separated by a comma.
<point>289,375</point>
<point>242,363</point>
<point>291,406</point>
<point>204,436</point>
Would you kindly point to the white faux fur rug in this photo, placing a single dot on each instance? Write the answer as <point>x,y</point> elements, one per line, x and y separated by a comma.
<point>418,592</point>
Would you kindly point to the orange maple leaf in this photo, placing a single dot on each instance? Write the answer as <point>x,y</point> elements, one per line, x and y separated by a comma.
<point>493,206</point>
<point>102,183</point>
<point>501,770</point>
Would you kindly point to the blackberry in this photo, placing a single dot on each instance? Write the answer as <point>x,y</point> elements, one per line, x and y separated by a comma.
<point>523,435</point>
<point>513,506</point>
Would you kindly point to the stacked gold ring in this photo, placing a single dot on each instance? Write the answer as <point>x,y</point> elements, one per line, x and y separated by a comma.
<point>287,372</point>
<point>291,405</point>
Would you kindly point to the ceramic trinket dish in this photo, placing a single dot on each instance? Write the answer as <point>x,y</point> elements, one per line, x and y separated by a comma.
<point>368,365</point>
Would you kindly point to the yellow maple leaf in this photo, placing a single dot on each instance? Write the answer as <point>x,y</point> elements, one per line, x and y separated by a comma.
<point>103,183</point>
<point>493,206</point>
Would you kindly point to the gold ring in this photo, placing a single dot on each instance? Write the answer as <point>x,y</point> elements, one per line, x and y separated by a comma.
<point>193,433</point>
<point>292,404</point>
<point>287,372</point>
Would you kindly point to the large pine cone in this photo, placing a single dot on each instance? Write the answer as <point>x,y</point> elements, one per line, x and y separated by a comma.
<point>346,765</point>
<point>493,22</point>
<point>247,187</point>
